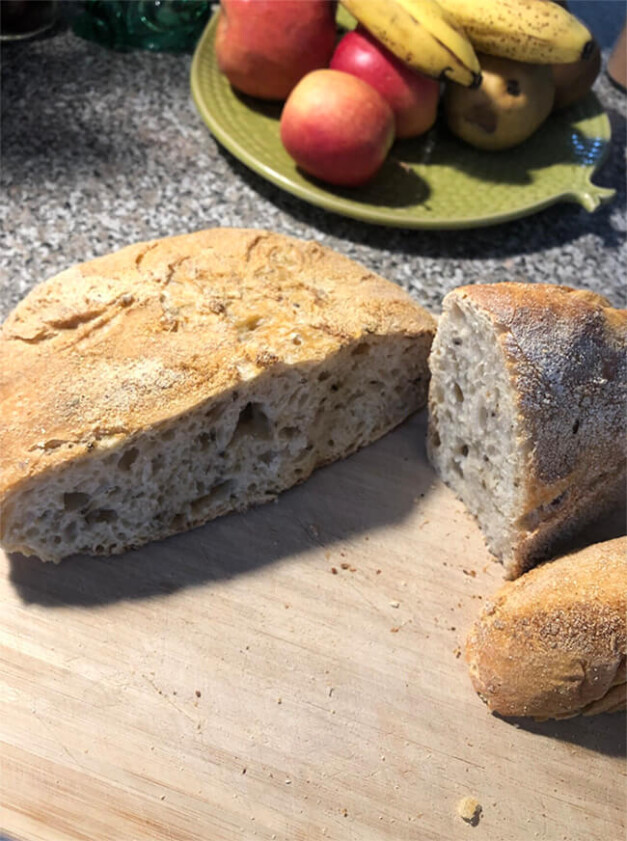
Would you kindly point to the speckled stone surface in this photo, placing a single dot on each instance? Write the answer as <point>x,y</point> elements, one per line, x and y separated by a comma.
<point>101,149</point>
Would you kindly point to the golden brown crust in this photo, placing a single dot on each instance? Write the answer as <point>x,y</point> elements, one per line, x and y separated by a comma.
<point>155,329</point>
<point>565,351</point>
<point>553,643</point>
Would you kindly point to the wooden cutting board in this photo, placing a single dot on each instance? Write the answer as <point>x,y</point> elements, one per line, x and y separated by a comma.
<point>291,673</point>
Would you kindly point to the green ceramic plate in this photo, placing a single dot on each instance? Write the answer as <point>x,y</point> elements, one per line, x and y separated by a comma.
<point>435,181</point>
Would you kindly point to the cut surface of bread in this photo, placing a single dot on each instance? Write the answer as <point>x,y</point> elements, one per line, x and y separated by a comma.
<point>527,412</point>
<point>553,643</point>
<point>151,390</point>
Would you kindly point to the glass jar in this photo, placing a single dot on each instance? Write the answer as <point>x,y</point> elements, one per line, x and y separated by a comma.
<point>161,25</point>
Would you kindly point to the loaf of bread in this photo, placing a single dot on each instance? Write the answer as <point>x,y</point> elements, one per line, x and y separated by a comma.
<point>553,643</point>
<point>149,391</point>
<point>528,412</point>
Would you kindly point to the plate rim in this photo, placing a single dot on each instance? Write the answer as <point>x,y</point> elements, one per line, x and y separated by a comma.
<point>589,196</point>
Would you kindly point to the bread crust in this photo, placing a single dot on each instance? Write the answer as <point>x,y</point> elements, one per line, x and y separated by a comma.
<point>126,342</point>
<point>553,643</point>
<point>565,353</point>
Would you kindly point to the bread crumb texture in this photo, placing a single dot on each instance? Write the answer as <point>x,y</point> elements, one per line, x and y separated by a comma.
<point>553,643</point>
<point>153,389</point>
<point>528,412</point>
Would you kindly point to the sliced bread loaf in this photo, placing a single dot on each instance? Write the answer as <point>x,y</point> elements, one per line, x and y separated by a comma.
<point>528,417</point>
<point>146,392</point>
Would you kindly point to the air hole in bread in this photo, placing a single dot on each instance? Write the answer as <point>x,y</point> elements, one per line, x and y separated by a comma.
<point>74,501</point>
<point>289,432</point>
<point>128,459</point>
<point>459,394</point>
<point>178,522</point>
<point>206,439</point>
<point>220,492</point>
<point>69,532</point>
<point>101,515</point>
<point>252,421</point>
<point>455,314</point>
<point>360,349</point>
<point>301,402</point>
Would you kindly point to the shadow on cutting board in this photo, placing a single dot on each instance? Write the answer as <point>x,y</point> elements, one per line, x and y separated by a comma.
<point>609,739</point>
<point>375,487</point>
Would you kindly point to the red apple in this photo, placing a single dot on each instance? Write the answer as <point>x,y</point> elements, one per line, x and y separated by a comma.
<point>264,47</point>
<point>412,96</point>
<point>337,127</point>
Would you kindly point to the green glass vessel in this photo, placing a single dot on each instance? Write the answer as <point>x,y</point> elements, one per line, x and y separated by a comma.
<point>161,25</point>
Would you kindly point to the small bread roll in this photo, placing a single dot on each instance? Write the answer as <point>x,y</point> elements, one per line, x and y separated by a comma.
<point>552,644</point>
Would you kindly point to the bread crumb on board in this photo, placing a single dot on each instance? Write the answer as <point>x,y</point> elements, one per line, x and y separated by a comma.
<point>469,809</point>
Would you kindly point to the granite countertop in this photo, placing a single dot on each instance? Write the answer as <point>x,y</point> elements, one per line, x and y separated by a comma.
<point>101,149</point>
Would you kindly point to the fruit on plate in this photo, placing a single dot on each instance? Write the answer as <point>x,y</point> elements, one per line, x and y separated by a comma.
<point>535,31</point>
<point>264,47</point>
<point>512,103</point>
<point>573,81</point>
<point>337,127</point>
<point>422,35</point>
<point>412,96</point>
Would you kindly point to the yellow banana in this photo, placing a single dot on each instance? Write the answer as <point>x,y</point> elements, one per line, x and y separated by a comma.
<point>422,35</point>
<point>535,31</point>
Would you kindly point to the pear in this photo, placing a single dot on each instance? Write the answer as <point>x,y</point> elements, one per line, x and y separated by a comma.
<point>573,81</point>
<point>512,103</point>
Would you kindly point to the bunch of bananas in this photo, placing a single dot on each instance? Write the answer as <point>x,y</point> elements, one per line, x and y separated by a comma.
<point>511,43</point>
<point>439,37</point>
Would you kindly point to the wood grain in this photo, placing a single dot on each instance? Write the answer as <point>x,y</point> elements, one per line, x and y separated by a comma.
<point>226,684</point>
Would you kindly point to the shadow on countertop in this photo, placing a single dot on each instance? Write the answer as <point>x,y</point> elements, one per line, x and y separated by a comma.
<point>58,120</point>
<point>553,227</point>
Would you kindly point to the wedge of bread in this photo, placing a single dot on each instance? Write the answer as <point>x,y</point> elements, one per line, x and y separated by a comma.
<point>148,391</point>
<point>528,412</point>
<point>553,643</point>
